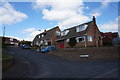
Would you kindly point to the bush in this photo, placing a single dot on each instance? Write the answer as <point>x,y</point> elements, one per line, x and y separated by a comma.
<point>72,42</point>
<point>107,44</point>
<point>3,43</point>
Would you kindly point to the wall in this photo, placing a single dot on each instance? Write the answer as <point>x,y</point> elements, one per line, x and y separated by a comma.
<point>54,37</point>
<point>94,53</point>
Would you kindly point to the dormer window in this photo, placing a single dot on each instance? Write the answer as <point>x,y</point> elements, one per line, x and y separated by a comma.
<point>81,28</point>
<point>63,33</point>
<point>58,33</point>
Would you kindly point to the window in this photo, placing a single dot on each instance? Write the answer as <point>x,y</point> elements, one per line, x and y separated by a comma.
<point>49,43</point>
<point>80,39</point>
<point>46,43</point>
<point>68,40</point>
<point>37,43</point>
<point>39,36</point>
<point>42,35</point>
<point>81,28</point>
<point>41,42</point>
<point>63,33</point>
<point>11,39</point>
<point>57,33</point>
<point>89,38</point>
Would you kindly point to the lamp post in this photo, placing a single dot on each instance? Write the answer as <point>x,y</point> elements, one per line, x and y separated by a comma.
<point>4,32</point>
<point>39,43</point>
<point>3,39</point>
<point>85,40</point>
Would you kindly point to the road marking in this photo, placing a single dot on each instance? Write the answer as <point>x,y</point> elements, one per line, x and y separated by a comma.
<point>100,76</point>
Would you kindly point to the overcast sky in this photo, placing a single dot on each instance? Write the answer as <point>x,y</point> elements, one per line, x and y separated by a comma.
<point>23,19</point>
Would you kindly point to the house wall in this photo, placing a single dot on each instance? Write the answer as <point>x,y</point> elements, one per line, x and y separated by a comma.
<point>66,45</point>
<point>96,35</point>
<point>54,37</point>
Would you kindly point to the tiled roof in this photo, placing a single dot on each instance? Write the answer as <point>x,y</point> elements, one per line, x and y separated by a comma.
<point>48,34</point>
<point>72,32</point>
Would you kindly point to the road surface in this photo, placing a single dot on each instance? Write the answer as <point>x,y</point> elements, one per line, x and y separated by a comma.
<point>49,66</point>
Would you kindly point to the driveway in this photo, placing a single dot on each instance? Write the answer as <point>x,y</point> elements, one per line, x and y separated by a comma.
<point>49,66</point>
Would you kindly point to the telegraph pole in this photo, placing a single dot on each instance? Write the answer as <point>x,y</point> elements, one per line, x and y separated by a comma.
<point>4,32</point>
<point>3,39</point>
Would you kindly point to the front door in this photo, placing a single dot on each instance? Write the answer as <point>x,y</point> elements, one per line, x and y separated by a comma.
<point>61,44</point>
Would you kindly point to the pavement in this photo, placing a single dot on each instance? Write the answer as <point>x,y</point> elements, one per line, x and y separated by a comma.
<point>33,64</point>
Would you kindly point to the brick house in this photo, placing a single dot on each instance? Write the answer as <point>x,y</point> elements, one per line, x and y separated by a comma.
<point>85,35</point>
<point>108,37</point>
<point>47,37</point>
<point>10,41</point>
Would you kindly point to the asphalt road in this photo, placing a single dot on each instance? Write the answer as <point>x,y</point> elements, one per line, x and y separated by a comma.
<point>49,66</point>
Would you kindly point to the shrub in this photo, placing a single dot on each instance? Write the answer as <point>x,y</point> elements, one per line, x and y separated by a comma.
<point>72,42</point>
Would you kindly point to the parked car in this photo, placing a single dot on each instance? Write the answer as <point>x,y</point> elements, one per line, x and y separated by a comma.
<point>26,46</point>
<point>47,49</point>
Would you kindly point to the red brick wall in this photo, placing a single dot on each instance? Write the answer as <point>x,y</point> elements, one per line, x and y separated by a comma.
<point>95,33</point>
<point>54,37</point>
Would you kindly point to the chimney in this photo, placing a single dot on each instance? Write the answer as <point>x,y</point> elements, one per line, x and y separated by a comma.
<point>94,19</point>
<point>45,30</point>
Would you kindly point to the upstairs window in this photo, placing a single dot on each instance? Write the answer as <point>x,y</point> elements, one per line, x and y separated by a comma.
<point>90,38</point>
<point>63,33</point>
<point>81,28</point>
<point>58,33</point>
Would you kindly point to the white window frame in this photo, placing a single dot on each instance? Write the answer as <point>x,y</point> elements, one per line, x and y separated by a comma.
<point>41,42</point>
<point>68,40</point>
<point>63,33</point>
<point>37,43</point>
<point>39,36</point>
<point>89,38</point>
<point>77,38</point>
<point>81,28</point>
<point>11,39</point>
<point>42,35</point>
<point>58,33</point>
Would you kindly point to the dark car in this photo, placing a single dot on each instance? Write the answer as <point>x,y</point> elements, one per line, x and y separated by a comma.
<point>26,46</point>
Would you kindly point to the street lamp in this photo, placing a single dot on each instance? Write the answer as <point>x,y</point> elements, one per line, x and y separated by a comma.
<point>39,42</point>
<point>3,39</point>
<point>85,40</point>
<point>4,32</point>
